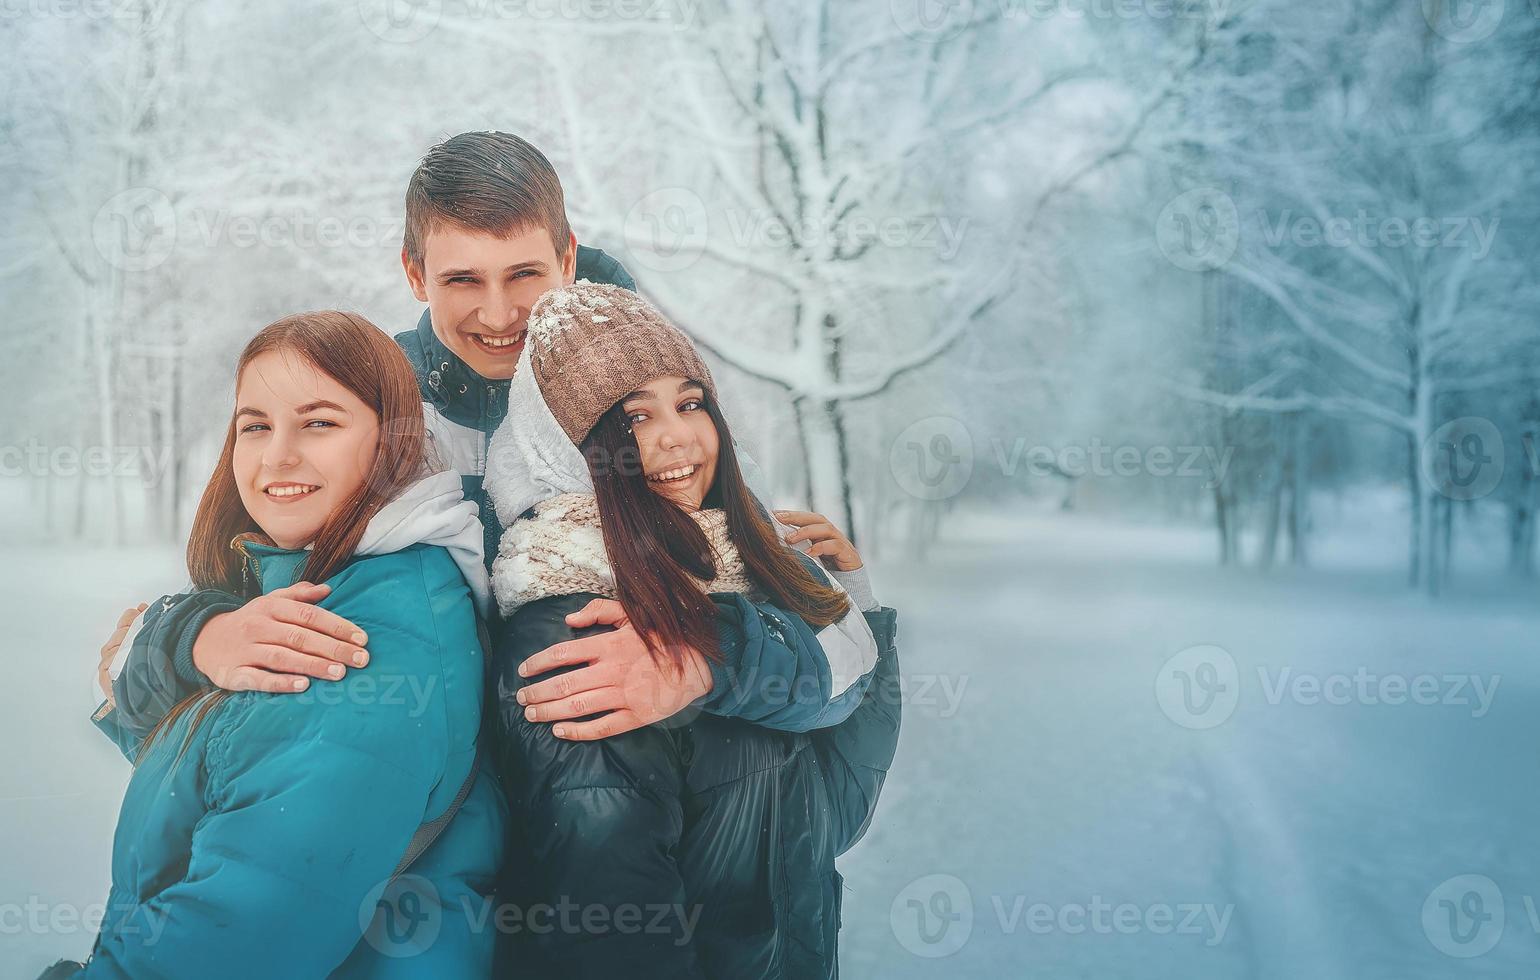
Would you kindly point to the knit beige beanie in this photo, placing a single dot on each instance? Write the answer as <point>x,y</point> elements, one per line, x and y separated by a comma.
<point>592,344</point>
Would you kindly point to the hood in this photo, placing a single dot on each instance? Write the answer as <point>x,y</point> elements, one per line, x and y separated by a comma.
<point>530,458</point>
<point>434,511</point>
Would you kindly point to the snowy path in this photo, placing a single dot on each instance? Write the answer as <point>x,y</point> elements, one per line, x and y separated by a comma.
<point>1325,827</point>
<point>1085,833</point>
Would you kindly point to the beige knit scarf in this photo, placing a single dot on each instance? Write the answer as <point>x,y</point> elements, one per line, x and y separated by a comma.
<point>560,551</point>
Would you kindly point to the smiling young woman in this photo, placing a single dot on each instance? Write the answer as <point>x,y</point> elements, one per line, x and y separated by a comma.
<point>731,826</point>
<point>253,815</point>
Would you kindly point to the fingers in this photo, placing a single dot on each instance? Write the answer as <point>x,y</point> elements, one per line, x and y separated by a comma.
<point>606,611</point>
<point>814,532</point>
<point>304,591</point>
<point>564,654</point>
<point>129,615</point>
<point>283,660</point>
<point>114,641</point>
<point>306,629</point>
<point>120,630</point>
<point>573,682</point>
<point>800,518</point>
<point>295,605</point>
<point>614,723</point>
<point>256,679</point>
<point>587,703</point>
<point>841,556</point>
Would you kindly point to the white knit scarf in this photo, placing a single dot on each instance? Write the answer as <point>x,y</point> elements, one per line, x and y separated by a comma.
<point>560,551</point>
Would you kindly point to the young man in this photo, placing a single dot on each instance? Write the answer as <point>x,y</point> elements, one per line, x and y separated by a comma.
<point>486,235</point>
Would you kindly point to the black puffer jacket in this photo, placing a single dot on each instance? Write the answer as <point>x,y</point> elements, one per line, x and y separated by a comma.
<point>704,849</point>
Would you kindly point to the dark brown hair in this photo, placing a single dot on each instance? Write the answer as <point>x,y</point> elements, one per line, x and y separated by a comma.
<point>360,357</point>
<point>657,550</point>
<point>496,183</point>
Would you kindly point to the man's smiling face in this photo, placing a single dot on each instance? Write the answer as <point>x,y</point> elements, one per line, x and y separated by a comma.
<point>479,289</point>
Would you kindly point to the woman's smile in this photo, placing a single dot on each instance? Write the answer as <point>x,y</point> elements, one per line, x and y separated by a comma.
<point>285,492</point>
<point>674,475</point>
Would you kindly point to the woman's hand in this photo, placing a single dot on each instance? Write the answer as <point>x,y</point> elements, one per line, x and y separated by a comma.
<point>829,545</point>
<point>110,648</point>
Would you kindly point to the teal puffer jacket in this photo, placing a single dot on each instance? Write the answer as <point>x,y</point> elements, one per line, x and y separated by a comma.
<point>257,844</point>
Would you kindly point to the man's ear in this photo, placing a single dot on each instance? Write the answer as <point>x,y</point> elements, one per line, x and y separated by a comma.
<point>414,276</point>
<point>569,264</point>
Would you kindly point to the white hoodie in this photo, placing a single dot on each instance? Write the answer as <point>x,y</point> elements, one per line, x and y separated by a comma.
<point>434,511</point>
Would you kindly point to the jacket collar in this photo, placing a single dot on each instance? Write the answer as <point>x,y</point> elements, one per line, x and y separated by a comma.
<point>448,383</point>
<point>270,567</point>
<point>433,510</point>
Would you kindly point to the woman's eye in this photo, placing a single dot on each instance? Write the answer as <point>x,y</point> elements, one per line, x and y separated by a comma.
<point>691,405</point>
<point>636,417</point>
<point>254,427</point>
<point>322,423</point>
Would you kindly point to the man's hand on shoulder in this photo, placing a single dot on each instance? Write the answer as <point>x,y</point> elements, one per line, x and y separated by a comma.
<point>277,642</point>
<point>620,678</point>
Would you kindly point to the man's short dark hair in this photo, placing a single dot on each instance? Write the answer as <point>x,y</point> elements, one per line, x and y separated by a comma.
<point>489,182</point>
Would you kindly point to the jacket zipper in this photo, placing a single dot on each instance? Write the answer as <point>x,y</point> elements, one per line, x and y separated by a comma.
<point>248,563</point>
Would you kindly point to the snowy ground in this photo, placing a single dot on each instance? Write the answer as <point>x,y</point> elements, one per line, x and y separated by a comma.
<point>1058,807</point>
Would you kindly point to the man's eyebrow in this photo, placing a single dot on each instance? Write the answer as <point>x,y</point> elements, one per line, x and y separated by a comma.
<point>534,264</point>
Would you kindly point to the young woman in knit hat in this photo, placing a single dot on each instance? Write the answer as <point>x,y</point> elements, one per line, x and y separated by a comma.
<point>705,846</point>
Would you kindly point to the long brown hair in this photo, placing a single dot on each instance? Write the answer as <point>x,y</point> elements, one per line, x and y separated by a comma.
<point>360,357</point>
<point>657,550</point>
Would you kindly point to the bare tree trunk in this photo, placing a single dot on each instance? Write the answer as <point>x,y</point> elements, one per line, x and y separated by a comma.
<point>1299,494</point>
<point>1414,536</point>
<point>1267,548</point>
<point>1224,520</point>
<point>842,445</point>
<point>798,414</point>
